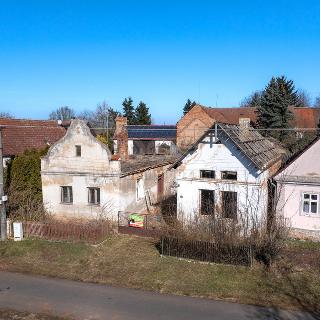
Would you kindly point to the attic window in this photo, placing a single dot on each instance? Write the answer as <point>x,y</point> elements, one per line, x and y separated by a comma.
<point>78,151</point>
<point>229,175</point>
<point>208,174</point>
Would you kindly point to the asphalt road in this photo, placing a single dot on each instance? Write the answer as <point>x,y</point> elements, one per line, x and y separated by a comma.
<point>92,301</point>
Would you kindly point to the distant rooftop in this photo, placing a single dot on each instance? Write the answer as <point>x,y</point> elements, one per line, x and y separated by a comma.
<point>152,132</point>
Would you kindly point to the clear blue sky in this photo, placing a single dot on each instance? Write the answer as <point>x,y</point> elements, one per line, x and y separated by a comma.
<point>77,53</point>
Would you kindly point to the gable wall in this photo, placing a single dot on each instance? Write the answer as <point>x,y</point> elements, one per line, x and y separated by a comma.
<point>192,126</point>
<point>251,185</point>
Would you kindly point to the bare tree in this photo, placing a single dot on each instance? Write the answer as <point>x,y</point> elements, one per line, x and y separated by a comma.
<point>62,113</point>
<point>6,115</point>
<point>317,102</point>
<point>303,99</point>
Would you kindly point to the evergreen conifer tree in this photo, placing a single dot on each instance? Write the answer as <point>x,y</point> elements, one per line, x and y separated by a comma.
<point>128,110</point>
<point>142,115</point>
<point>188,106</point>
<point>274,113</point>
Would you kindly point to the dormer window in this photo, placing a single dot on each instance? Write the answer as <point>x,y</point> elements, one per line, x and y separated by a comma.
<point>78,151</point>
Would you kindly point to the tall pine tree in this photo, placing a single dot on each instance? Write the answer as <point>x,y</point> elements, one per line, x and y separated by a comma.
<point>142,114</point>
<point>188,106</point>
<point>274,113</point>
<point>128,110</point>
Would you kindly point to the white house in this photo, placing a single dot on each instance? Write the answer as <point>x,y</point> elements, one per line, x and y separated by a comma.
<point>80,177</point>
<point>226,173</point>
<point>298,187</point>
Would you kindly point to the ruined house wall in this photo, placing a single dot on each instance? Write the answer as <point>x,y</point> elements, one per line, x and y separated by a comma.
<point>251,187</point>
<point>128,186</point>
<point>192,126</point>
<point>62,167</point>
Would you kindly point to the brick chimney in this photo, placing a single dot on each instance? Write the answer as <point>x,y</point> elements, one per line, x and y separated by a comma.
<point>121,134</point>
<point>244,123</point>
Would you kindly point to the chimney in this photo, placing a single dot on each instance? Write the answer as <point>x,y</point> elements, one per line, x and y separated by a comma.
<point>121,134</point>
<point>244,123</point>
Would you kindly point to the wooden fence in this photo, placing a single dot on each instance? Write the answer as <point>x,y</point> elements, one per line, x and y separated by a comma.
<point>206,251</point>
<point>55,230</point>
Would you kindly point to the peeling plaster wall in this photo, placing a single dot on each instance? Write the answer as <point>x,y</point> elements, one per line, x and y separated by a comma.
<point>61,167</point>
<point>251,184</point>
<point>128,196</point>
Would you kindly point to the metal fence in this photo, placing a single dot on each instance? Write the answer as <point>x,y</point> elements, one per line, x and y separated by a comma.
<point>91,232</point>
<point>206,251</point>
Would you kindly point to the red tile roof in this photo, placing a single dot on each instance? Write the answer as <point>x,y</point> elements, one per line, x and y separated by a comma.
<point>20,135</point>
<point>303,117</point>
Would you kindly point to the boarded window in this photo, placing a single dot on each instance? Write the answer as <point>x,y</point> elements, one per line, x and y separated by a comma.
<point>208,174</point>
<point>78,151</point>
<point>229,175</point>
<point>139,189</point>
<point>229,205</point>
<point>94,195</point>
<point>207,202</point>
<point>66,194</point>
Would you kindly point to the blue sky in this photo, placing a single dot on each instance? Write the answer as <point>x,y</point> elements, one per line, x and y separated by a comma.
<point>77,53</point>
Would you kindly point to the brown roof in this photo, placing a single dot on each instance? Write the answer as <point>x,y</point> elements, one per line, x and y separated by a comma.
<point>303,117</point>
<point>20,135</point>
<point>260,150</point>
<point>231,115</point>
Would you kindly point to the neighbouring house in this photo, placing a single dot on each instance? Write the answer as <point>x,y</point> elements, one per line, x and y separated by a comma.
<point>298,190</point>
<point>20,135</point>
<point>225,173</point>
<point>81,178</point>
<point>147,139</point>
<point>192,125</point>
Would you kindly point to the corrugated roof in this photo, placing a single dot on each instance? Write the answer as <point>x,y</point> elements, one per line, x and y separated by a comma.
<point>152,132</point>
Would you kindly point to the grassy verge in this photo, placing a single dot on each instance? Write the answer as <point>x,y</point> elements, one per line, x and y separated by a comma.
<point>134,262</point>
<point>6,314</point>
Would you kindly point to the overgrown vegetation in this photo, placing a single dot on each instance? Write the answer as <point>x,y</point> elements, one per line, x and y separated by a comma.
<point>129,261</point>
<point>23,186</point>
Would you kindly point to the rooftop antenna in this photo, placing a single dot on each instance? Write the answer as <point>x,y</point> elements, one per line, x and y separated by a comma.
<point>217,97</point>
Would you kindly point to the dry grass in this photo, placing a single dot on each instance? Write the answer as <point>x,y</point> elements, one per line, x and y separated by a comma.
<point>6,314</point>
<point>134,262</point>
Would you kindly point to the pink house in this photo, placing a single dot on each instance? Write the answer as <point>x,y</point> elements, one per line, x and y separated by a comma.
<point>298,187</point>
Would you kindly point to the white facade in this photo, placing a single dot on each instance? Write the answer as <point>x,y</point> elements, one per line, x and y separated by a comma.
<point>250,184</point>
<point>81,180</point>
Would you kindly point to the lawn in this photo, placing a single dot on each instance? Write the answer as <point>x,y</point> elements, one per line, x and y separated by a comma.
<point>128,261</point>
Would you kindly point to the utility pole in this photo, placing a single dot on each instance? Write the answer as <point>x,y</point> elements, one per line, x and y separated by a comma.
<point>2,197</point>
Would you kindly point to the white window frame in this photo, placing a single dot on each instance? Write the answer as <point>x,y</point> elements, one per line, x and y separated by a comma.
<point>303,200</point>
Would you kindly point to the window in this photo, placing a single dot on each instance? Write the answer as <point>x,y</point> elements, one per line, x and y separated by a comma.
<point>78,151</point>
<point>209,174</point>
<point>66,195</point>
<point>94,195</point>
<point>229,205</point>
<point>139,189</point>
<point>310,203</point>
<point>206,202</point>
<point>229,175</point>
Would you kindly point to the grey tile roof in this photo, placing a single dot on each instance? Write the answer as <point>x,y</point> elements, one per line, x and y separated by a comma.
<point>259,149</point>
